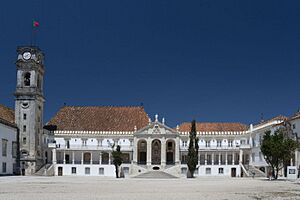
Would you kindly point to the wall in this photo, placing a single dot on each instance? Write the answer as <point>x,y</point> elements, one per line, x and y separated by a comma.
<point>10,134</point>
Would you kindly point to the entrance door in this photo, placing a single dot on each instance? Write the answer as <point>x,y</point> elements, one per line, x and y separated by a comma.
<point>233,172</point>
<point>143,157</point>
<point>170,159</point>
<point>156,152</point>
<point>60,171</point>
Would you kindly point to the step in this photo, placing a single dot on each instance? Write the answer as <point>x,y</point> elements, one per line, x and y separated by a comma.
<point>156,175</point>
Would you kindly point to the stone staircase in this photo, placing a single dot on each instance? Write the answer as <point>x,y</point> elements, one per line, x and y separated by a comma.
<point>45,170</point>
<point>258,173</point>
<point>155,175</point>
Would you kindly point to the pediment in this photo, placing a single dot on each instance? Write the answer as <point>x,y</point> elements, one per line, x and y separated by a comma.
<point>156,128</point>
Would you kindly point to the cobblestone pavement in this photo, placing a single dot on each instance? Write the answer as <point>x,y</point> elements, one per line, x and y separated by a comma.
<point>89,188</point>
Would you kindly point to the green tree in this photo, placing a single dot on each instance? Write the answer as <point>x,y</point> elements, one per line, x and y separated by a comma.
<point>278,149</point>
<point>192,158</point>
<point>117,159</point>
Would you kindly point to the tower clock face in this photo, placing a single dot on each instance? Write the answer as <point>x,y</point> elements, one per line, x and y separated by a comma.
<point>26,55</point>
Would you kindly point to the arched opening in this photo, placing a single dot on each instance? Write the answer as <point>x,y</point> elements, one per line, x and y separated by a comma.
<point>27,79</point>
<point>87,158</point>
<point>170,152</point>
<point>105,158</point>
<point>156,152</point>
<point>142,152</point>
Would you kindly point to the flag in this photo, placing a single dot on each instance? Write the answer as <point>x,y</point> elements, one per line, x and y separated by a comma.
<point>35,24</point>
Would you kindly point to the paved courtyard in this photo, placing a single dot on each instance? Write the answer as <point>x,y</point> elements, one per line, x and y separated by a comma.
<point>89,188</point>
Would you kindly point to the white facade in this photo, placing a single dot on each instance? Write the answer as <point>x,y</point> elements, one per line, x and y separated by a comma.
<point>89,153</point>
<point>8,149</point>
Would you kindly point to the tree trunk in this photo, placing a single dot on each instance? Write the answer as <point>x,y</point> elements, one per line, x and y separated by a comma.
<point>117,171</point>
<point>190,174</point>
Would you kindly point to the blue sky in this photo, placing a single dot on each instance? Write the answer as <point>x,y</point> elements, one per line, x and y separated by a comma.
<point>222,61</point>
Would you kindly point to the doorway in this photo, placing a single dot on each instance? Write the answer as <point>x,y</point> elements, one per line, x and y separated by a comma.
<point>233,172</point>
<point>60,171</point>
<point>156,152</point>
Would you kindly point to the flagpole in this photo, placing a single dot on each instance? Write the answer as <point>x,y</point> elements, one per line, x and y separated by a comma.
<point>35,25</point>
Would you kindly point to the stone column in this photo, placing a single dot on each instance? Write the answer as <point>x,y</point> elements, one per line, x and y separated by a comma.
<point>149,143</point>
<point>109,158</point>
<point>135,150</point>
<point>205,162</point>
<point>100,158</point>
<point>64,158</point>
<point>226,159</point>
<point>82,158</point>
<point>73,158</point>
<point>219,158</point>
<point>199,158</point>
<point>163,152</point>
<point>212,158</point>
<point>241,156</point>
<point>177,146</point>
<point>54,156</point>
<point>233,158</point>
<point>91,161</point>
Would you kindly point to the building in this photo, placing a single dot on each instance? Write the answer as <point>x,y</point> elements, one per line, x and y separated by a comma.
<point>294,122</point>
<point>29,107</point>
<point>85,136</point>
<point>8,142</point>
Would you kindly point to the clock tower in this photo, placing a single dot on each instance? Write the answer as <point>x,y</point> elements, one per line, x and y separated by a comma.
<point>29,106</point>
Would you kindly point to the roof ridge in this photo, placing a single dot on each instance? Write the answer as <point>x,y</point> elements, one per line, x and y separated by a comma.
<point>4,106</point>
<point>108,106</point>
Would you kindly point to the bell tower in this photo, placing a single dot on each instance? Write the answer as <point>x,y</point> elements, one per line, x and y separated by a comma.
<point>29,106</point>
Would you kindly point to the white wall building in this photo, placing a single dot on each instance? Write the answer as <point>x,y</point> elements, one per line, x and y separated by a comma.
<point>85,135</point>
<point>8,142</point>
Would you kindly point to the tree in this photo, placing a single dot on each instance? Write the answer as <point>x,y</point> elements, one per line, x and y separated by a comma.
<point>117,159</point>
<point>192,158</point>
<point>278,149</point>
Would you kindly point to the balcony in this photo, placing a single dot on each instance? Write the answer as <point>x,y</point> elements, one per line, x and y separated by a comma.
<point>245,146</point>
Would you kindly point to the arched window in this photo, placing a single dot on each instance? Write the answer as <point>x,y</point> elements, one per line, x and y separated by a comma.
<point>27,79</point>
<point>86,158</point>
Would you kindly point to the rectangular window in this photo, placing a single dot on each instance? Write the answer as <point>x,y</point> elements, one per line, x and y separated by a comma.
<point>207,143</point>
<point>24,116</point>
<point>14,149</point>
<point>221,170</point>
<point>229,143</point>
<point>207,170</point>
<point>126,170</point>
<point>24,128</point>
<point>4,147</point>
<point>4,167</point>
<point>219,143</point>
<point>294,126</point>
<point>73,170</point>
<point>24,140</point>
<point>101,171</point>
<point>87,170</point>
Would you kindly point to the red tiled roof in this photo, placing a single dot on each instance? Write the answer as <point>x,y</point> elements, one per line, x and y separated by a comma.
<point>279,117</point>
<point>7,114</point>
<point>99,118</point>
<point>214,126</point>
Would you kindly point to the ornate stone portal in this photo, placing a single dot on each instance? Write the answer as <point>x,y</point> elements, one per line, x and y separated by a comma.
<point>157,146</point>
<point>156,152</point>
